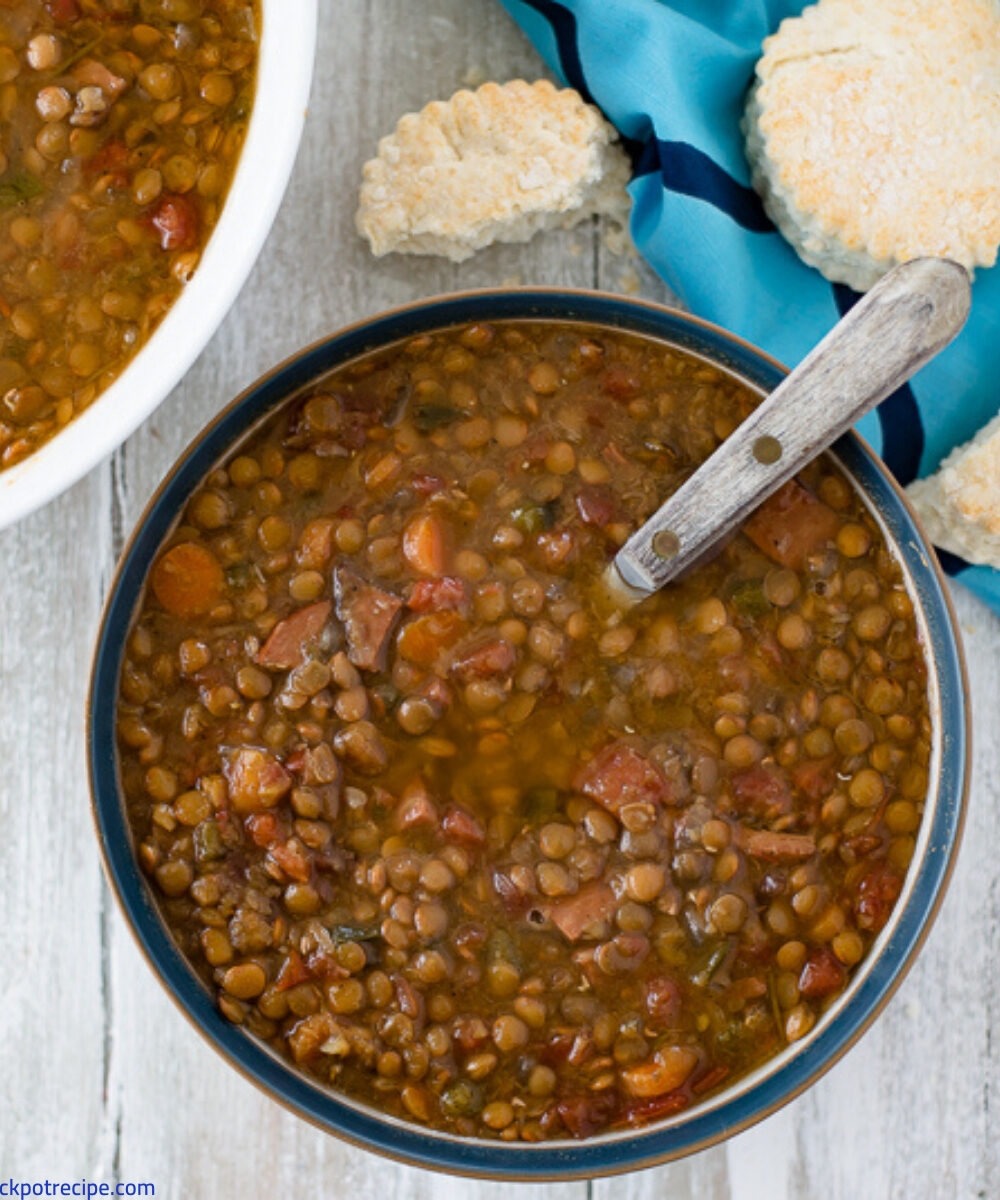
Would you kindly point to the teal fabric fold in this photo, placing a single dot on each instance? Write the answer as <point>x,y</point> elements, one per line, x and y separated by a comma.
<point>672,76</point>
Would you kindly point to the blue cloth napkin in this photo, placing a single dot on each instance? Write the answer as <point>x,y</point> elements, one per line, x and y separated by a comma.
<point>672,75</point>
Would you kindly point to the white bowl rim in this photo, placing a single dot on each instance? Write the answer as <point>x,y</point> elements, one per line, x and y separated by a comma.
<point>284,76</point>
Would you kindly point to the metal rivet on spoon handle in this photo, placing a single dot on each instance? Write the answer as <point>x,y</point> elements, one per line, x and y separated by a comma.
<point>907,317</point>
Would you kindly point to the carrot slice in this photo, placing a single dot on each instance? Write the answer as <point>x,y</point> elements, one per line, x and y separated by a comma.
<point>421,640</point>
<point>188,580</point>
<point>425,544</point>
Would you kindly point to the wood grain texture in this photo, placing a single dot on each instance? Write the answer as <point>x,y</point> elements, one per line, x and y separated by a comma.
<point>101,1076</point>
<point>907,318</point>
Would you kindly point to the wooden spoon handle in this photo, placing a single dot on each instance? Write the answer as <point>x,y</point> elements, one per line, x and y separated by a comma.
<point>906,318</point>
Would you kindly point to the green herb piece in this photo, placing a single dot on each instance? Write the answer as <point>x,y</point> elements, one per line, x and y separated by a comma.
<point>462,1099</point>
<point>354,933</point>
<point>238,576</point>
<point>240,108</point>
<point>501,947</point>
<point>715,961</point>
<point>772,992</point>
<point>535,518</point>
<point>428,417</point>
<point>208,841</point>
<point>74,58</point>
<point>540,803</point>
<point>18,188</point>
<point>749,600</point>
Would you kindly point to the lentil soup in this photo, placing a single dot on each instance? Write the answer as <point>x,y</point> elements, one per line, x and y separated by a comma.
<point>122,124</point>
<point>448,833</point>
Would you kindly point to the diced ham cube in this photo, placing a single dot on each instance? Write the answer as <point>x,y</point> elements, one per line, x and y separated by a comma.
<point>256,780</point>
<point>588,1113</point>
<point>662,997</point>
<point>619,775</point>
<point>621,382</point>
<point>763,791</point>
<point>485,660</point>
<point>292,971</point>
<point>823,975</point>
<point>815,777</point>
<point>585,914</point>
<point>513,899</point>
<point>438,692</point>
<point>597,504</point>
<point>415,809</point>
<point>434,595</point>
<point>792,525</point>
<point>264,829</point>
<point>462,827</point>
<point>289,640</point>
<point>368,614</point>
<point>292,859</point>
<point>774,847</point>
<point>176,221</point>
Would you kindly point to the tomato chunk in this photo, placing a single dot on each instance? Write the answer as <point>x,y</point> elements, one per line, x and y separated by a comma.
<point>762,791</point>
<point>436,595</point>
<point>62,12</point>
<point>877,892</point>
<point>176,221</point>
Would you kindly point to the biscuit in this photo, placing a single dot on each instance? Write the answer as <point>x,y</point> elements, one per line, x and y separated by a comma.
<point>495,165</point>
<point>960,505</point>
<point>873,133</point>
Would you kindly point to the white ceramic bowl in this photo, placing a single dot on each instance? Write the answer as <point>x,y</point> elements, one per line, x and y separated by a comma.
<point>287,47</point>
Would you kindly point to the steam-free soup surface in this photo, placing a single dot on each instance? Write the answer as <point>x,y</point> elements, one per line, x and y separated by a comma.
<point>454,836</point>
<point>122,124</point>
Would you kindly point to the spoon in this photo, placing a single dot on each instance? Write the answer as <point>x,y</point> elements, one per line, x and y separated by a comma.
<point>910,315</point>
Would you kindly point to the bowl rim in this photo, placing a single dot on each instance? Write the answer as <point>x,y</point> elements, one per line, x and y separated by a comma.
<point>835,1034</point>
<point>286,54</point>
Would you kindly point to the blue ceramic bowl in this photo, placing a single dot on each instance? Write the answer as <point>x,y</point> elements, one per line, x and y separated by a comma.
<point>752,1098</point>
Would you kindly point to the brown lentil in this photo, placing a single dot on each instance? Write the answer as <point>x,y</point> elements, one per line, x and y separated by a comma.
<point>433,823</point>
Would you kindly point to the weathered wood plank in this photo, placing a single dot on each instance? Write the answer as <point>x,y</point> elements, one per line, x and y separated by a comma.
<point>53,570</point>
<point>102,1077</point>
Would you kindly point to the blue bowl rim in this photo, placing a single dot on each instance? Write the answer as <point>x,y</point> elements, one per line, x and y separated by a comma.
<point>364,1127</point>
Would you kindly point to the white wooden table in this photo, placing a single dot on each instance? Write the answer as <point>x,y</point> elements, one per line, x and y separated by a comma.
<point>100,1077</point>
